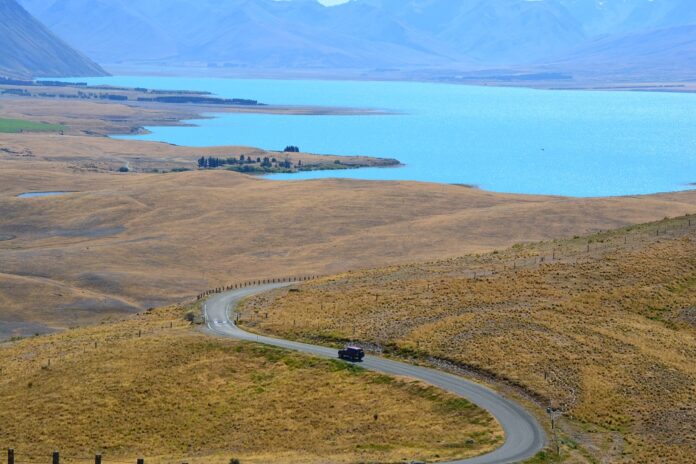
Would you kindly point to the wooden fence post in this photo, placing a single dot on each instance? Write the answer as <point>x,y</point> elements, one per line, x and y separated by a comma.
<point>56,457</point>
<point>141,461</point>
<point>10,456</point>
<point>98,459</point>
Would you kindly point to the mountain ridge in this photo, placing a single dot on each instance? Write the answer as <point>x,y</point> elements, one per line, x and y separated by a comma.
<point>403,35</point>
<point>32,50</point>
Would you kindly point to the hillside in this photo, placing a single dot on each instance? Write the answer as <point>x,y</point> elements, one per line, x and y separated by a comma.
<point>260,33</point>
<point>666,52</point>
<point>31,50</point>
<point>122,243</point>
<point>620,17</point>
<point>601,328</point>
<point>153,386</point>
<point>499,32</point>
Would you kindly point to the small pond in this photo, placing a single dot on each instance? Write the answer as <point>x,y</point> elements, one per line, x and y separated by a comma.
<point>41,194</point>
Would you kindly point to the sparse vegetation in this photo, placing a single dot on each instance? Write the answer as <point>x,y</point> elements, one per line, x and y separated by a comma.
<point>603,335</point>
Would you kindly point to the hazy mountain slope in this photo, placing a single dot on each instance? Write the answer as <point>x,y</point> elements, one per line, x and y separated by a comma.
<point>616,17</point>
<point>663,52</point>
<point>368,34</point>
<point>252,33</point>
<point>29,49</point>
<point>513,31</point>
<point>492,31</point>
<point>386,38</point>
<point>106,30</point>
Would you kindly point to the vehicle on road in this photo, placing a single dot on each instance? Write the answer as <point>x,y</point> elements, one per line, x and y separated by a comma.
<point>351,353</point>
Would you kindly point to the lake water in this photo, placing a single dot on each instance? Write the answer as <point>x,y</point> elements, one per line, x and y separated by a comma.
<point>501,139</point>
<point>40,194</point>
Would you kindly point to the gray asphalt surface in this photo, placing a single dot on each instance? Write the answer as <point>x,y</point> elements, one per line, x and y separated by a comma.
<point>524,437</point>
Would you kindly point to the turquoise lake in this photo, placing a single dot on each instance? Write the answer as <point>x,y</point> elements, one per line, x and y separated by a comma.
<point>573,143</point>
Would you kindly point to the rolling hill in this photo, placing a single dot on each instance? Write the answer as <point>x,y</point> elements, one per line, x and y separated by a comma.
<point>600,328</point>
<point>31,50</point>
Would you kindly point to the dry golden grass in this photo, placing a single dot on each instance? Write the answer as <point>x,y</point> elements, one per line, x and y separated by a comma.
<point>126,242</point>
<point>174,393</point>
<point>83,154</point>
<point>608,336</point>
<point>103,117</point>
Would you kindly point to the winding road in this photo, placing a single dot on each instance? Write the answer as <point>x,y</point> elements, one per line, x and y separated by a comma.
<point>524,437</point>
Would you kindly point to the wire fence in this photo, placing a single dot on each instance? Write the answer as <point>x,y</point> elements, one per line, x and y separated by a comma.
<point>55,457</point>
<point>578,251</point>
<point>255,283</point>
<point>587,250</point>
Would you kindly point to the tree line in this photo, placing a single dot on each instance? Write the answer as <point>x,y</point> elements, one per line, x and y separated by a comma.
<point>212,162</point>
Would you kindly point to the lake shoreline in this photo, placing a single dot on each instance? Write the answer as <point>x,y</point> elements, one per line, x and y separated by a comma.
<point>519,79</point>
<point>501,140</point>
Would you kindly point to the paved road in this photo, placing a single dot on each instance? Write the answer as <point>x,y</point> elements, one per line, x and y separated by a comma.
<point>524,437</point>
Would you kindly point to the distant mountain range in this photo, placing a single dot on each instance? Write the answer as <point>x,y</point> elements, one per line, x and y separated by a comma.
<point>660,54</point>
<point>612,36</point>
<point>29,49</point>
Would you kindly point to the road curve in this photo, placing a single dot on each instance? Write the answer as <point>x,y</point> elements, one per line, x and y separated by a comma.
<point>524,437</point>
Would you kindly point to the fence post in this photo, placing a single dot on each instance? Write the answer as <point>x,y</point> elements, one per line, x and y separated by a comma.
<point>10,456</point>
<point>56,457</point>
<point>141,461</point>
<point>97,459</point>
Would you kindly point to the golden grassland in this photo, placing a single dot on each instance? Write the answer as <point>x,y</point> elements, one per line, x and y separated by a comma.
<point>607,336</point>
<point>95,117</point>
<point>88,154</point>
<point>152,386</point>
<point>121,243</point>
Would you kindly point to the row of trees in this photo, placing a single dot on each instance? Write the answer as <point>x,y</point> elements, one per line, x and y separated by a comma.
<point>212,162</point>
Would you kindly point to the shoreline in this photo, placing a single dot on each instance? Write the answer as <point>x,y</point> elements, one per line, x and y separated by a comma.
<point>151,114</point>
<point>522,79</point>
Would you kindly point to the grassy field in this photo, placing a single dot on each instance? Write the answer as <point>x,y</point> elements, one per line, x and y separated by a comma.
<point>99,117</point>
<point>602,328</point>
<point>11,126</point>
<point>122,243</point>
<point>151,386</point>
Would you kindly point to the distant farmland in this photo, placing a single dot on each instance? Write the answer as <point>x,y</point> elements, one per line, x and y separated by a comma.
<point>13,126</point>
